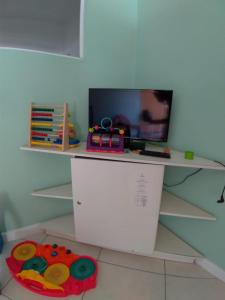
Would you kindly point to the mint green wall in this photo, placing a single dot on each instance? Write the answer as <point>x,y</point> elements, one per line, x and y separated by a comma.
<point>110,40</point>
<point>181,46</point>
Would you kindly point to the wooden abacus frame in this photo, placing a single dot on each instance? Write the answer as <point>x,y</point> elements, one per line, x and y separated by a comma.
<point>43,121</point>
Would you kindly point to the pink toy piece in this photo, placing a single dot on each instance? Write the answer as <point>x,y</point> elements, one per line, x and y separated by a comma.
<point>100,146</point>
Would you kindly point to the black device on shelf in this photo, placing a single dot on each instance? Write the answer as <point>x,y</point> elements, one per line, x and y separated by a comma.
<point>136,144</point>
<point>144,113</point>
<point>155,153</point>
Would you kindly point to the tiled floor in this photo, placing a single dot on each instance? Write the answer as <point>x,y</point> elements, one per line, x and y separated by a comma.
<point>127,277</point>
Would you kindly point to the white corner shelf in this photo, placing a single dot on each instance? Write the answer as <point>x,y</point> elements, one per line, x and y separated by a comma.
<point>63,191</point>
<point>168,245</point>
<point>172,205</point>
<point>176,160</point>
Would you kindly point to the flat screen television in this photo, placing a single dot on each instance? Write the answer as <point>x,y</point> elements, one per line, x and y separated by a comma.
<point>144,114</point>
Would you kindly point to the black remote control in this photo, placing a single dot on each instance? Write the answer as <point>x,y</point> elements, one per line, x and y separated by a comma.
<point>155,153</point>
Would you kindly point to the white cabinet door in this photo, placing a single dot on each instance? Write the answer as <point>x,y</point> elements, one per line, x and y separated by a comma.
<point>116,204</point>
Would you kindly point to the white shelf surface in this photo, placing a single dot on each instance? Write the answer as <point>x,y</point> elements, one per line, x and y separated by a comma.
<point>177,158</point>
<point>171,247</point>
<point>63,191</point>
<point>168,245</point>
<point>172,205</point>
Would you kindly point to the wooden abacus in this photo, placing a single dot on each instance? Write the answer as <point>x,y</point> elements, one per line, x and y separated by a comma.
<point>49,126</point>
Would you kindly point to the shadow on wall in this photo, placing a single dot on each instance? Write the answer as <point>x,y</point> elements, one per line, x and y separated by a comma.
<point>6,208</point>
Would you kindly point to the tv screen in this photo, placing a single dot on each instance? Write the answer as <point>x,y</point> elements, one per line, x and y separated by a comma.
<point>144,114</point>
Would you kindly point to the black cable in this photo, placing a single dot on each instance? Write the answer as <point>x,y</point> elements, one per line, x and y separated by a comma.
<point>221,200</point>
<point>222,164</point>
<point>182,181</point>
<point>223,189</point>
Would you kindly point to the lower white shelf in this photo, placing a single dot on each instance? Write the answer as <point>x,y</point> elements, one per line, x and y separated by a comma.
<point>168,245</point>
<point>171,205</point>
<point>63,191</point>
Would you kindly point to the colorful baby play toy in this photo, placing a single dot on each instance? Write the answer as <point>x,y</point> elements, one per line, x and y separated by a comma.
<point>51,270</point>
<point>105,138</point>
<point>49,126</point>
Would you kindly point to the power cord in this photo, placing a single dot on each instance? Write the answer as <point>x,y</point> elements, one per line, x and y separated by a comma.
<point>221,200</point>
<point>182,181</point>
<point>218,162</point>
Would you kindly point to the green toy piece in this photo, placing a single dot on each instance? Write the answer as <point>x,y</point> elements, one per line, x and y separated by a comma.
<point>38,264</point>
<point>189,155</point>
<point>82,268</point>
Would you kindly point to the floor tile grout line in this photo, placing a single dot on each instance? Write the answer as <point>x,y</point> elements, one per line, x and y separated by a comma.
<point>183,276</point>
<point>135,269</point>
<point>130,268</point>
<point>99,254</point>
<point>6,296</point>
<point>47,235</point>
<point>164,265</point>
<point>43,238</point>
<point>83,296</point>
<point>190,277</point>
<point>5,285</point>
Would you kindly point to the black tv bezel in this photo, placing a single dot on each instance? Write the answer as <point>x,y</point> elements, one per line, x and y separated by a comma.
<point>128,89</point>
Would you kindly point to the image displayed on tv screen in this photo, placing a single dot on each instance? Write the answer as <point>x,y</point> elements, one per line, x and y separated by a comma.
<point>144,114</point>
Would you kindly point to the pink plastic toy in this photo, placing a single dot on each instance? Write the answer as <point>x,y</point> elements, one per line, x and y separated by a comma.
<point>105,138</point>
<point>51,270</point>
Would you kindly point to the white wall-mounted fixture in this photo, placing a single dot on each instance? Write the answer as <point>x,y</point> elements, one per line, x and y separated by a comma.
<point>52,26</point>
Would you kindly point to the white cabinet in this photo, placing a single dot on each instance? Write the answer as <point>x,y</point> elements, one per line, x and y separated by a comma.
<point>116,204</point>
<point>111,209</point>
